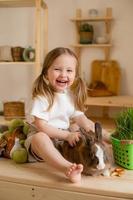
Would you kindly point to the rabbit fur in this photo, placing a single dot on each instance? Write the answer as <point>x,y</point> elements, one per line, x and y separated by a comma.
<point>89,151</point>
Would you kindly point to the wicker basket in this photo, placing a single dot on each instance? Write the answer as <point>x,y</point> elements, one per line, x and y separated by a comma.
<point>123,152</point>
<point>14,109</point>
<point>17,53</point>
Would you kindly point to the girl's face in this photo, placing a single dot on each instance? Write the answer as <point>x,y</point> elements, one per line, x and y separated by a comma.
<point>61,73</point>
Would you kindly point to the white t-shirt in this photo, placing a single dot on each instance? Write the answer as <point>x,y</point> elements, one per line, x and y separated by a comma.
<point>60,113</point>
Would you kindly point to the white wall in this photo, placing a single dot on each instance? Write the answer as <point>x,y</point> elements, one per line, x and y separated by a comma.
<point>16,81</point>
<point>122,32</point>
<point>16,29</point>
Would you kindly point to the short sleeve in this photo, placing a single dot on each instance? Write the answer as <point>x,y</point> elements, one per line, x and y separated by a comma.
<point>39,108</point>
<point>77,113</point>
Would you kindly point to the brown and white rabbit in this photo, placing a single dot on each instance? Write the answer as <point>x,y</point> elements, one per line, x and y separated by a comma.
<point>89,151</point>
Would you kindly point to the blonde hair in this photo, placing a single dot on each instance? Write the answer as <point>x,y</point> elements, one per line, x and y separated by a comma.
<point>42,88</point>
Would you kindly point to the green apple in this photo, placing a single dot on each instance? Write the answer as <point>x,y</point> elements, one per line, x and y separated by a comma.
<point>15,123</point>
<point>20,155</point>
<point>26,128</point>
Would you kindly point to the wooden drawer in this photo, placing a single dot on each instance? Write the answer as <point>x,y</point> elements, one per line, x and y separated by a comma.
<point>38,181</point>
<point>11,191</point>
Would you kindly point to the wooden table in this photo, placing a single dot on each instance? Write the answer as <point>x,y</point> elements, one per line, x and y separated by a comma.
<point>110,102</point>
<point>37,181</point>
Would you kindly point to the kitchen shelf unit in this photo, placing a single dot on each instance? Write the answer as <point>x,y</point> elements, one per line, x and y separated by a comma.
<point>104,102</point>
<point>122,102</point>
<point>107,19</point>
<point>38,181</point>
<point>112,101</point>
<point>39,5</point>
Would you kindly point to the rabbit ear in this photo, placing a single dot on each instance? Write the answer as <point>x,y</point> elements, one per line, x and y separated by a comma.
<point>98,131</point>
<point>88,137</point>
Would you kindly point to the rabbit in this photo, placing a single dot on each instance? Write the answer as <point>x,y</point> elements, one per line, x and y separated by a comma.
<point>89,151</point>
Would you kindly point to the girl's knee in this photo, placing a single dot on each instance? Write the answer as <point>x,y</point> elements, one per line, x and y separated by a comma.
<point>38,137</point>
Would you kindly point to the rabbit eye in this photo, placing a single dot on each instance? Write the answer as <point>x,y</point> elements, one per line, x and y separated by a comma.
<point>96,160</point>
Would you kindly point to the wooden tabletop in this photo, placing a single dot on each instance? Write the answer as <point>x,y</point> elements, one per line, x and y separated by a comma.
<point>39,174</point>
<point>112,101</point>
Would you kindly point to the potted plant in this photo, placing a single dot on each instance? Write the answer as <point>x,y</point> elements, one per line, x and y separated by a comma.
<point>86,33</point>
<point>122,139</point>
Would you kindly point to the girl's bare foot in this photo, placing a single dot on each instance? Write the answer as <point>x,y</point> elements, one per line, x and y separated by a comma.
<point>74,172</point>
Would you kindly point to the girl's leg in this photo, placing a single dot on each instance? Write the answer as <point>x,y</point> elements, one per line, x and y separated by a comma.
<point>42,145</point>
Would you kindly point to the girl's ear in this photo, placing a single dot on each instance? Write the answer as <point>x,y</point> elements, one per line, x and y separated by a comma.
<point>98,131</point>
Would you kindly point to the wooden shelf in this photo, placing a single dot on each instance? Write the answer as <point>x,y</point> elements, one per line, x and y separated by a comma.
<point>17,63</point>
<point>92,45</point>
<point>20,3</point>
<point>112,101</point>
<point>78,20</point>
<point>39,5</point>
<point>3,121</point>
<point>94,19</point>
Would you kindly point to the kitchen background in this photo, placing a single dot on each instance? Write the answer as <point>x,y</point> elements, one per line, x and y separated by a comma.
<point>17,29</point>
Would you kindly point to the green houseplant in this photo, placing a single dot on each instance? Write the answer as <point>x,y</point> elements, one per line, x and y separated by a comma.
<point>86,33</point>
<point>122,139</point>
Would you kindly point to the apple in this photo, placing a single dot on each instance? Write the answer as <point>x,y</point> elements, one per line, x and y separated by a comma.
<point>20,155</point>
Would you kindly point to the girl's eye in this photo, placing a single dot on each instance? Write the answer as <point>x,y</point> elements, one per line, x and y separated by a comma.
<point>69,70</point>
<point>57,69</point>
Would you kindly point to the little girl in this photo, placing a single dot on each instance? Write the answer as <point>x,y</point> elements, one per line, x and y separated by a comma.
<point>59,95</point>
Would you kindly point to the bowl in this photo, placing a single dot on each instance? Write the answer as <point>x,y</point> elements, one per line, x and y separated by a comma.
<point>93,12</point>
<point>101,40</point>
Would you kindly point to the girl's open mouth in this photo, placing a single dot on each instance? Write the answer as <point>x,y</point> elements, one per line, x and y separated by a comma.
<point>62,82</point>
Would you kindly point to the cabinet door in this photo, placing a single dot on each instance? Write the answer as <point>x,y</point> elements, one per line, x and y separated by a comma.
<point>53,194</point>
<point>12,191</point>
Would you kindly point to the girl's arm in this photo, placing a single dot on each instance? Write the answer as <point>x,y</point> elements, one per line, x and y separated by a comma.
<point>53,132</point>
<point>84,122</point>
<point>88,125</point>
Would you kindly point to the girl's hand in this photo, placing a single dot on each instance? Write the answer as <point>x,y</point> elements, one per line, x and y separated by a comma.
<point>73,138</point>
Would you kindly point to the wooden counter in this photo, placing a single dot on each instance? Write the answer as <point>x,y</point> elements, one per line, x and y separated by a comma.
<point>105,103</point>
<point>112,101</point>
<point>38,181</point>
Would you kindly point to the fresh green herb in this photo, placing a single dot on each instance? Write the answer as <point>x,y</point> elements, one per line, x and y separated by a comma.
<point>124,125</point>
<point>85,27</point>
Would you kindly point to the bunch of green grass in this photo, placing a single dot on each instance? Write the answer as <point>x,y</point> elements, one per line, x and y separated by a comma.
<point>124,125</point>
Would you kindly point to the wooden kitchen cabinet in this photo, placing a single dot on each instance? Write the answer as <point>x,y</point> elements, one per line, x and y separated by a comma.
<point>38,181</point>
<point>107,20</point>
<point>39,6</point>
